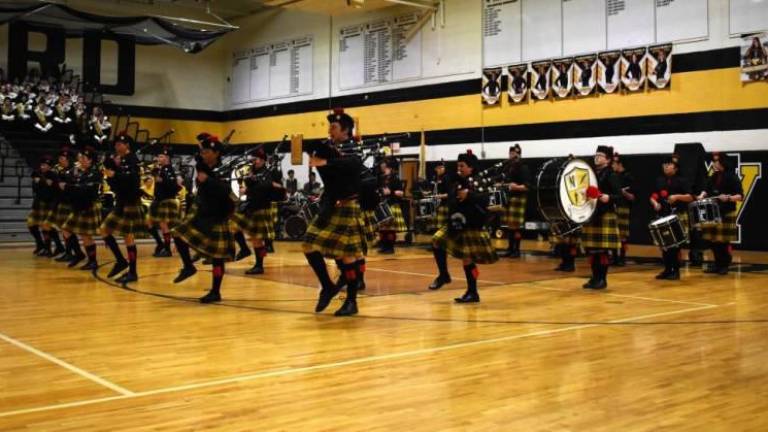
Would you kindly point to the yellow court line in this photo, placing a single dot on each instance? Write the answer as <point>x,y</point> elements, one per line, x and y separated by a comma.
<point>324,366</point>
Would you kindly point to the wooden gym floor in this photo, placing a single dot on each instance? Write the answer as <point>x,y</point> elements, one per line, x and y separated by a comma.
<point>79,353</point>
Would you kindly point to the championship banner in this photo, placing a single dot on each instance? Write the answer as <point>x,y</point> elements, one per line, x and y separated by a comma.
<point>660,65</point>
<point>517,79</point>
<point>633,69</point>
<point>608,71</point>
<point>491,91</point>
<point>754,58</point>
<point>585,75</point>
<point>562,77</point>
<point>540,79</point>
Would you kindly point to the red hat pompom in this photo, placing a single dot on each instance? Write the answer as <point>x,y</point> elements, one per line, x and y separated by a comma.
<point>593,192</point>
<point>655,196</point>
<point>338,111</point>
<point>664,193</point>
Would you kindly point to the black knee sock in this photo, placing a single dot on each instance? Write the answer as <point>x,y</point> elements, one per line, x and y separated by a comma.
<point>360,270</point>
<point>594,261</point>
<point>183,249</point>
<point>316,261</point>
<point>674,259</point>
<point>167,241</point>
<point>156,236</point>
<point>35,231</point>
<point>56,239</point>
<point>240,238</point>
<point>260,252</point>
<point>604,263</point>
<point>112,245</point>
<point>218,274</point>
<point>563,252</point>
<point>471,272</point>
<point>511,241</point>
<point>91,252</point>
<point>132,255</point>
<point>350,274</point>
<point>441,258</point>
<point>74,245</point>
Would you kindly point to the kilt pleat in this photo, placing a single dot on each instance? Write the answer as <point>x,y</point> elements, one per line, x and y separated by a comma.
<point>255,223</point>
<point>213,241</point>
<point>58,214</point>
<point>85,222</point>
<point>126,220</point>
<point>725,232</point>
<point>337,232</point>
<point>442,216</point>
<point>397,223</point>
<point>39,213</point>
<point>623,215</point>
<point>165,211</point>
<point>601,232</point>
<point>474,244</point>
<point>369,224</point>
<point>514,214</point>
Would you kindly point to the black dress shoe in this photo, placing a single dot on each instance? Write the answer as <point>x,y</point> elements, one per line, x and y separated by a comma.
<point>596,285</point>
<point>514,254</point>
<point>255,270</point>
<point>468,297</point>
<point>590,283</point>
<point>38,249</point>
<point>663,275</point>
<point>158,248</point>
<point>66,257</point>
<point>325,297</point>
<point>211,297</point>
<point>361,286</point>
<point>566,268</point>
<point>673,275</point>
<point>45,253</point>
<point>270,248</point>
<point>387,251</point>
<point>712,269</point>
<point>349,308</point>
<point>722,271</point>
<point>127,278</point>
<point>90,265</point>
<point>58,251</point>
<point>439,282</point>
<point>75,260</point>
<point>619,263</point>
<point>164,253</point>
<point>118,268</point>
<point>185,273</point>
<point>244,253</point>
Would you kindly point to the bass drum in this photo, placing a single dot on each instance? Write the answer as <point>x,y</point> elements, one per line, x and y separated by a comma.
<point>561,193</point>
<point>296,226</point>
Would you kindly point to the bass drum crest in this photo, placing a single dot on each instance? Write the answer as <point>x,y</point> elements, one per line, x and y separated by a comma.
<point>561,192</point>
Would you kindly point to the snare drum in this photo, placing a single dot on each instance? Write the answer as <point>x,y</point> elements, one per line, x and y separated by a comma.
<point>311,210</point>
<point>667,232</point>
<point>561,193</point>
<point>426,208</point>
<point>382,213</point>
<point>704,212</point>
<point>497,200</point>
<point>296,226</point>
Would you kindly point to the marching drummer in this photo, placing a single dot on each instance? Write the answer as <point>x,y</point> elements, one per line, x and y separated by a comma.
<point>724,186</point>
<point>672,195</point>
<point>392,191</point>
<point>517,178</point>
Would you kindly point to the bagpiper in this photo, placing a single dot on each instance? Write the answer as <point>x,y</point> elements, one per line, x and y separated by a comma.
<point>517,177</point>
<point>165,210</point>
<point>61,207</point>
<point>85,220</point>
<point>43,200</point>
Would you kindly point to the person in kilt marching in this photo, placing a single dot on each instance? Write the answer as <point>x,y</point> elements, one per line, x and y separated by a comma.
<point>671,195</point>
<point>465,236</point>
<point>443,181</point>
<point>206,227</point>
<point>600,236</point>
<point>518,177</point>
<point>391,189</point>
<point>337,230</point>
<point>61,207</point>
<point>127,217</point>
<point>165,210</point>
<point>254,216</point>
<point>623,208</point>
<point>85,220</point>
<point>724,185</point>
<point>42,201</point>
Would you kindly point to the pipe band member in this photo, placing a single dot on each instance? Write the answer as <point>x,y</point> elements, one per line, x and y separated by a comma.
<point>672,195</point>
<point>165,210</point>
<point>517,180</point>
<point>85,220</point>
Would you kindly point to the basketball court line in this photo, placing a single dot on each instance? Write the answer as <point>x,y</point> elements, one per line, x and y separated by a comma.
<point>70,367</point>
<point>332,365</point>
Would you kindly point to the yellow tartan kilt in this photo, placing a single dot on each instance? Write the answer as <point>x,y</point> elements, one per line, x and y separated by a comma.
<point>39,213</point>
<point>166,211</point>
<point>84,222</point>
<point>725,232</point>
<point>337,232</point>
<point>601,232</point>
<point>215,241</point>
<point>397,223</point>
<point>58,215</point>
<point>256,223</point>
<point>623,215</point>
<point>442,216</point>
<point>369,224</point>
<point>514,214</point>
<point>126,220</point>
<point>274,210</point>
<point>474,244</point>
